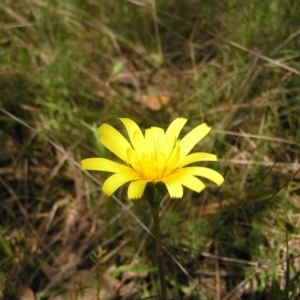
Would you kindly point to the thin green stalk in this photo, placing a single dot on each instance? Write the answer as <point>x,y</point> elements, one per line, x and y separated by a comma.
<point>159,252</point>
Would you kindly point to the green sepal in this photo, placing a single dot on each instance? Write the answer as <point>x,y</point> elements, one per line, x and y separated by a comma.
<point>155,192</point>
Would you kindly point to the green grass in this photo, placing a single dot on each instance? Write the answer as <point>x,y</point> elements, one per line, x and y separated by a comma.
<point>68,66</point>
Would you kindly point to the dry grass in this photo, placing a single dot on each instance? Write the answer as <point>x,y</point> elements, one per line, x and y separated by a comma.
<point>68,66</point>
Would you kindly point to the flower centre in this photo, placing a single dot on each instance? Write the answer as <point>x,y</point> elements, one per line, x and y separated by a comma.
<point>156,159</point>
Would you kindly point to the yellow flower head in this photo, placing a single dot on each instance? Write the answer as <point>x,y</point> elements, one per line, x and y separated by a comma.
<point>156,156</point>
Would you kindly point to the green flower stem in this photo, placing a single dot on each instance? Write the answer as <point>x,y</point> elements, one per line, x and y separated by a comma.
<point>159,252</point>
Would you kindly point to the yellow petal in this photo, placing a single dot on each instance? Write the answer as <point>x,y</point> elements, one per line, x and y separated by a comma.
<point>134,132</point>
<point>136,189</point>
<point>174,158</point>
<point>199,156</point>
<point>116,180</point>
<point>206,173</point>
<point>102,164</point>
<point>113,140</point>
<point>174,187</point>
<point>176,126</point>
<point>169,144</point>
<point>188,180</point>
<point>132,159</point>
<point>149,141</point>
<point>157,134</point>
<point>193,183</point>
<point>192,138</point>
<point>154,141</point>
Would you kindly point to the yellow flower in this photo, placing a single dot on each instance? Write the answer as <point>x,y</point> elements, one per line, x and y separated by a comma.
<point>156,156</point>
